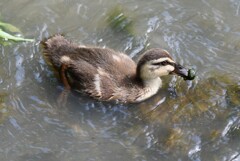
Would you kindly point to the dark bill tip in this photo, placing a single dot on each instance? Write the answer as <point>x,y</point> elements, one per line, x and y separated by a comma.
<point>187,74</point>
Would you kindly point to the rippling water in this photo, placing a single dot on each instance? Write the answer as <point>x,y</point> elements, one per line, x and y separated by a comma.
<point>197,120</point>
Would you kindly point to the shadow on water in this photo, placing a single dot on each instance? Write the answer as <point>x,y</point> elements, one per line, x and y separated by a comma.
<point>198,120</point>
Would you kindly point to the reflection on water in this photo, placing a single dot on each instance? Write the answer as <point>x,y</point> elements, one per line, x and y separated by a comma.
<point>197,120</point>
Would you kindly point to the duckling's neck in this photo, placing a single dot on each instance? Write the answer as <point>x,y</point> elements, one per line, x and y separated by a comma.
<point>151,87</point>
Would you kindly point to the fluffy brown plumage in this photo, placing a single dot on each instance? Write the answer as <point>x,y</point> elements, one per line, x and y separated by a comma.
<point>106,74</point>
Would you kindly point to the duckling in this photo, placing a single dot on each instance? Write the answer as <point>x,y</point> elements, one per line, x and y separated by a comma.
<point>106,75</point>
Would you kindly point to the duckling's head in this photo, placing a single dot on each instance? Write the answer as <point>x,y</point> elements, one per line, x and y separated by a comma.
<point>157,62</point>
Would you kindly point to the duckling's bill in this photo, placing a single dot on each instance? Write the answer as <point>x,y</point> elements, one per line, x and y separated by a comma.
<point>187,74</point>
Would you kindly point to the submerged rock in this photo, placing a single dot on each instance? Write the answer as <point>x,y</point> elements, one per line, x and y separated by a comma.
<point>3,108</point>
<point>119,21</point>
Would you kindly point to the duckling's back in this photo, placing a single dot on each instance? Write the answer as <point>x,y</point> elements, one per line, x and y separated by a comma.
<point>58,50</point>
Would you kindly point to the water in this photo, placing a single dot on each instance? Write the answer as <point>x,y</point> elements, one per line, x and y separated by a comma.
<point>197,120</point>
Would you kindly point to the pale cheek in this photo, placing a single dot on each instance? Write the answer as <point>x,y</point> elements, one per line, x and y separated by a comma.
<point>169,68</point>
<point>165,70</point>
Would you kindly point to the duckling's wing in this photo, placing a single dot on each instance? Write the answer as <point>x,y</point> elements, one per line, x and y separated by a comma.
<point>108,60</point>
<point>83,76</point>
<point>101,73</point>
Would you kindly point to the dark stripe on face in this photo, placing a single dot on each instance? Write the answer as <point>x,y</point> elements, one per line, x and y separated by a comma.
<point>153,54</point>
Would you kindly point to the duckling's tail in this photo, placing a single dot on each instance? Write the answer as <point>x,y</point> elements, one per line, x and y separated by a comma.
<point>54,48</point>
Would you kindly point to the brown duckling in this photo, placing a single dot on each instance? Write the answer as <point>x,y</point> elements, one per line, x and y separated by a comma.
<point>105,74</point>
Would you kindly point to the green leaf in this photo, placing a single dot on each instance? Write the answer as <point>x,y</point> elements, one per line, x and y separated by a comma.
<point>9,28</point>
<point>7,36</point>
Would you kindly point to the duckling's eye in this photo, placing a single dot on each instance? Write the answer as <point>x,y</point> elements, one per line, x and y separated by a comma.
<point>164,63</point>
<point>160,63</point>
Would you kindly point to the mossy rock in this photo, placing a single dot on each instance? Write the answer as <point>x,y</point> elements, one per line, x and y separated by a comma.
<point>176,140</point>
<point>233,93</point>
<point>211,94</point>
